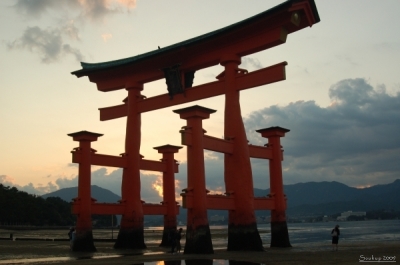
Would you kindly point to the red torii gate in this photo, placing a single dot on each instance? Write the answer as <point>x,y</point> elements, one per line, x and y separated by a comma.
<point>84,205</point>
<point>226,47</point>
<point>240,192</point>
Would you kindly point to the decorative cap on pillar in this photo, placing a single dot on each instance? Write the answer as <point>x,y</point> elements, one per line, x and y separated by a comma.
<point>194,111</point>
<point>85,136</point>
<point>273,131</point>
<point>168,148</point>
<point>133,85</point>
<point>226,58</point>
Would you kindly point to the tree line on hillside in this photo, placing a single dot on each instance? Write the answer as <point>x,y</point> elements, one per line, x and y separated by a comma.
<point>23,209</point>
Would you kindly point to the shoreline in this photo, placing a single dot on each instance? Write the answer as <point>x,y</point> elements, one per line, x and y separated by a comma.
<point>57,252</point>
<point>52,247</point>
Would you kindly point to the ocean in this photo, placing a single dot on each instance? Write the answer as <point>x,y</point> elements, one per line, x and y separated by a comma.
<point>303,236</point>
<point>373,230</point>
<point>299,233</point>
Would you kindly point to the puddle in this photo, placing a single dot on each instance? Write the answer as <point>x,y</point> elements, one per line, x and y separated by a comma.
<point>53,259</point>
<point>199,262</point>
<point>169,262</point>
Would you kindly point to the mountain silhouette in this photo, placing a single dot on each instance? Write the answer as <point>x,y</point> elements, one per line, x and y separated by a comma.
<point>325,198</point>
<point>98,193</point>
<point>310,198</point>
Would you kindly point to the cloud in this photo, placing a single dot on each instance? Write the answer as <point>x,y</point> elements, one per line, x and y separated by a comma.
<point>248,62</point>
<point>29,188</point>
<point>69,29</point>
<point>112,179</point>
<point>101,177</point>
<point>49,44</point>
<point>97,10</point>
<point>354,141</point>
<point>94,10</point>
<point>35,8</point>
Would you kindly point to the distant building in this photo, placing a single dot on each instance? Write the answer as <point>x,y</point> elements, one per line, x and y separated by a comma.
<point>343,216</point>
<point>326,218</point>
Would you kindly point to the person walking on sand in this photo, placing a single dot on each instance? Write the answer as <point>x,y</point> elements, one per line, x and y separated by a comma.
<point>178,240</point>
<point>335,237</point>
<point>172,239</point>
<point>71,235</point>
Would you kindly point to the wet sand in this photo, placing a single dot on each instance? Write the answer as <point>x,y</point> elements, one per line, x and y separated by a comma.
<point>57,252</point>
<point>53,248</point>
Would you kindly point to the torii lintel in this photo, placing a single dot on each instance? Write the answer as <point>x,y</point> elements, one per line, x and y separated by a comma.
<point>257,33</point>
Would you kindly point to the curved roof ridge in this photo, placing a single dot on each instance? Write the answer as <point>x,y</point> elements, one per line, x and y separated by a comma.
<point>89,67</point>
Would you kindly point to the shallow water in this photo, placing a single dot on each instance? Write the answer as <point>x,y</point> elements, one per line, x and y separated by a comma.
<point>170,262</point>
<point>302,236</point>
<point>351,231</point>
<point>374,230</point>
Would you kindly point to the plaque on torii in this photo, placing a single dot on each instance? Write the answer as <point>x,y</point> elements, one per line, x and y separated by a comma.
<point>226,47</point>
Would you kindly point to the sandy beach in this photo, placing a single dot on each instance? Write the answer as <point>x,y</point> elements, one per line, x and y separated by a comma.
<point>57,252</point>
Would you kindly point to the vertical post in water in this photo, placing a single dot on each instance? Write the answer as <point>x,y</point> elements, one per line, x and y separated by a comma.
<point>131,232</point>
<point>279,229</point>
<point>169,201</point>
<point>242,228</point>
<point>83,203</point>
<point>198,235</point>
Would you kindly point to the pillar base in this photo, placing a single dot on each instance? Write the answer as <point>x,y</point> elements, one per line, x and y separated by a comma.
<point>280,235</point>
<point>165,237</point>
<point>130,239</point>
<point>84,242</point>
<point>244,238</point>
<point>198,240</point>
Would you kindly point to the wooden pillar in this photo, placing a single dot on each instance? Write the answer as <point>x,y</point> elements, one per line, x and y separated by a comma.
<point>198,235</point>
<point>131,233</point>
<point>279,230</point>
<point>84,235</point>
<point>242,228</point>
<point>170,220</point>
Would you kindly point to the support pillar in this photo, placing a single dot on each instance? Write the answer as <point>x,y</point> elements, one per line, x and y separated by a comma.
<point>131,232</point>
<point>242,228</point>
<point>170,220</point>
<point>84,234</point>
<point>279,230</point>
<point>198,235</point>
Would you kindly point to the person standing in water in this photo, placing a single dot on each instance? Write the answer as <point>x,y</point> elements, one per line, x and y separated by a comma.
<point>178,240</point>
<point>335,237</point>
<point>172,239</point>
<point>71,236</point>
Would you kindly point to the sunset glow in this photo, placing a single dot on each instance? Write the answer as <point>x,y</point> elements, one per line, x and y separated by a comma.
<point>340,106</point>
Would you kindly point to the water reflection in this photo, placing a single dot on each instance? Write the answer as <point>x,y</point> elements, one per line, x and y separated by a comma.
<point>172,262</point>
<point>166,262</point>
<point>234,262</point>
<point>198,262</point>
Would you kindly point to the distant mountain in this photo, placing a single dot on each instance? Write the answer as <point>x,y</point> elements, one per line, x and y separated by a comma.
<point>98,193</point>
<point>316,198</point>
<point>310,198</point>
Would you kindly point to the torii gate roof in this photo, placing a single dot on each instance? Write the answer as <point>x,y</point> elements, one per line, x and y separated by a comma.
<point>268,22</point>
